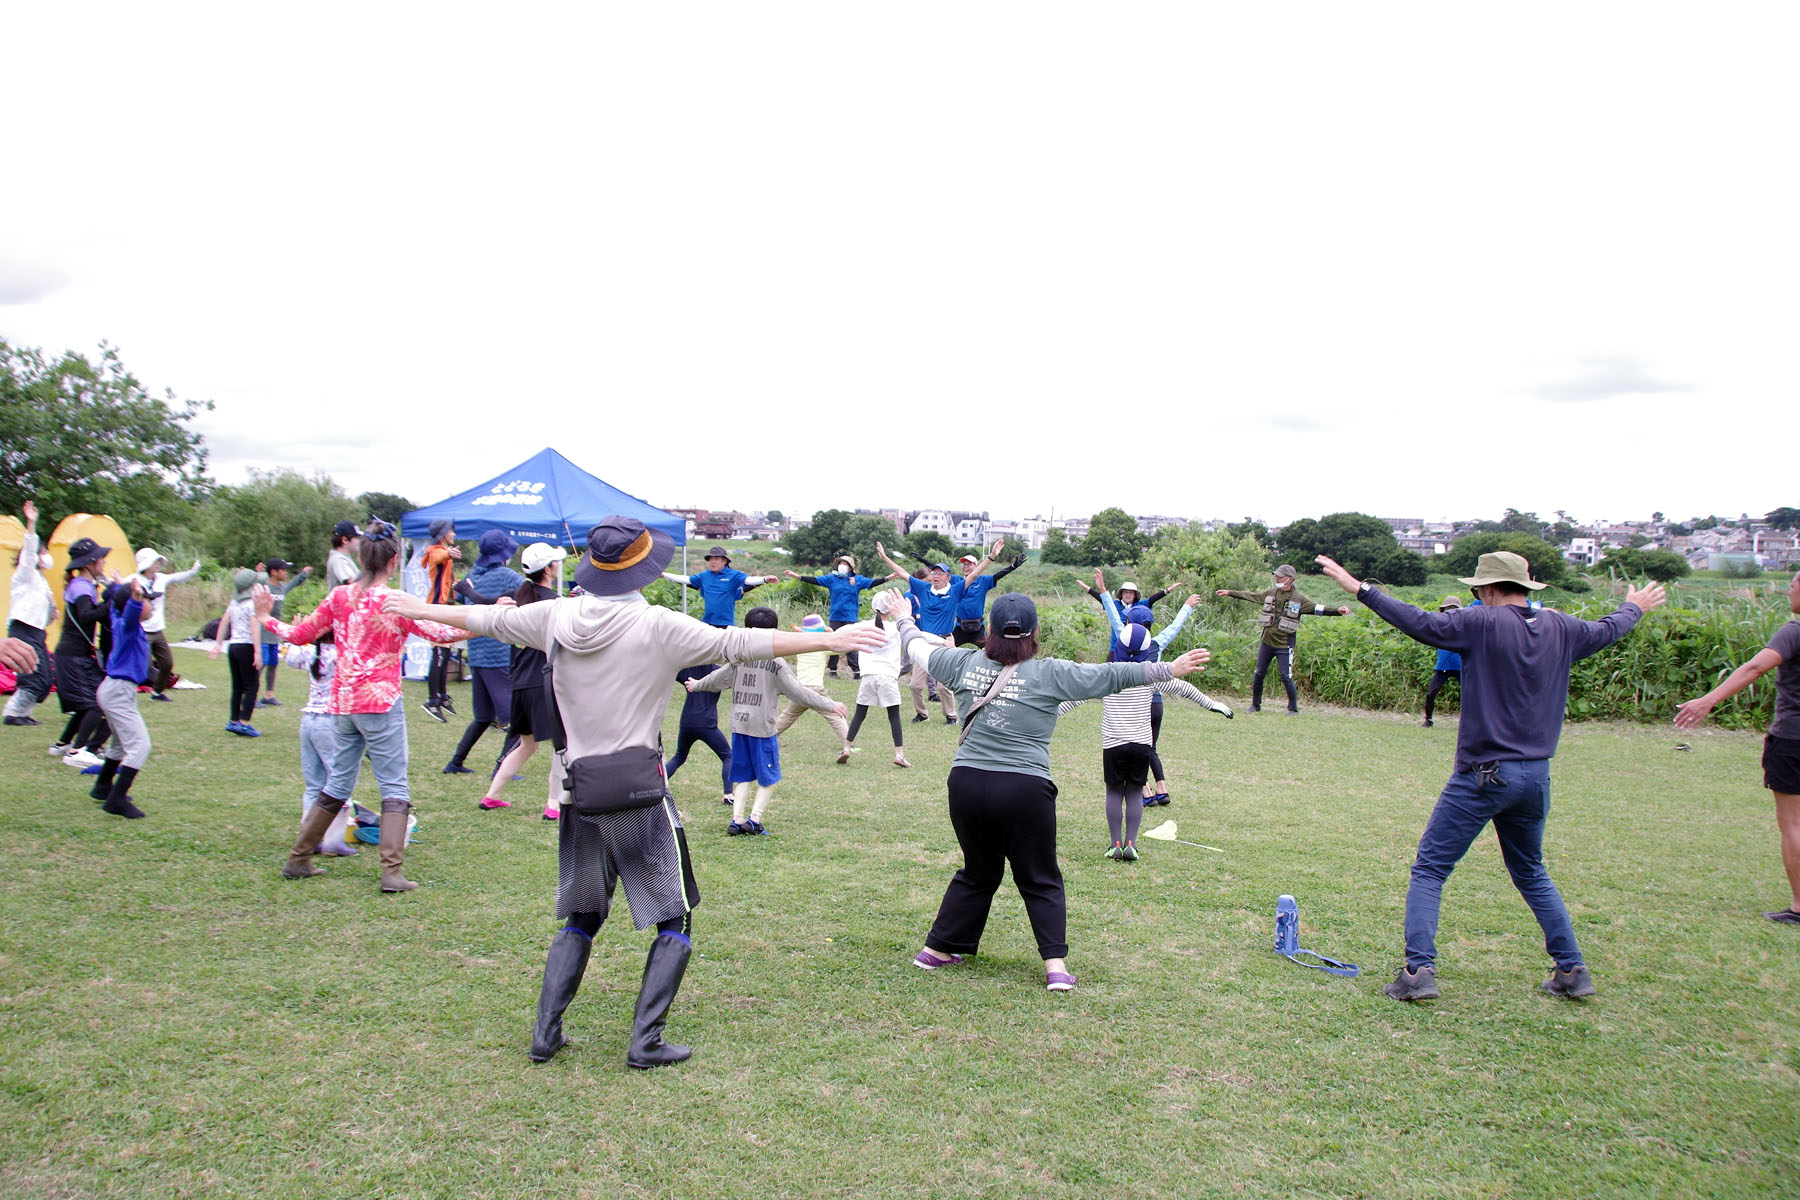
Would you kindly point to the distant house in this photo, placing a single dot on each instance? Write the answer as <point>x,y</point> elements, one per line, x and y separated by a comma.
<point>1152,524</point>
<point>1583,551</point>
<point>931,520</point>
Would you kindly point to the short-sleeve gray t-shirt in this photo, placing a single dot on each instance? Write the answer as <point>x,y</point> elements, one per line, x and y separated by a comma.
<point>1786,643</point>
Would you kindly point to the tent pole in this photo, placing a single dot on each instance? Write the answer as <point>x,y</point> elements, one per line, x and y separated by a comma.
<point>684,571</point>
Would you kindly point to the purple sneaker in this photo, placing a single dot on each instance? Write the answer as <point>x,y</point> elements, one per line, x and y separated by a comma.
<point>926,961</point>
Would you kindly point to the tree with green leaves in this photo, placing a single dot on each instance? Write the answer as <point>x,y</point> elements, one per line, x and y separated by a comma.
<point>278,513</point>
<point>1783,518</point>
<point>1358,541</point>
<point>385,505</point>
<point>1255,529</point>
<point>81,436</point>
<point>817,543</point>
<point>1059,551</point>
<point>1112,539</point>
<point>930,545</point>
<point>1664,566</point>
<point>1547,563</point>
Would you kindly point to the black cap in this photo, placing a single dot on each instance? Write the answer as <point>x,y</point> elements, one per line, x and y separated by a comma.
<point>346,529</point>
<point>1014,615</point>
<point>277,564</point>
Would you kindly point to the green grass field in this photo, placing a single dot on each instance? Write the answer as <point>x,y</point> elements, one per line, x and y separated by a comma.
<point>180,1021</point>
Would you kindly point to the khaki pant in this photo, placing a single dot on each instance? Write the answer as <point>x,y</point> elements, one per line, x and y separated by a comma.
<point>918,686</point>
<point>792,712</point>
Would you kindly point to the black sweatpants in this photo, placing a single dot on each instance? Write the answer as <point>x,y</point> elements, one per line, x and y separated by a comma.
<point>437,676</point>
<point>893,712</point>
<point>1002,818</point>
<point>1438,680</point>
<point>714,740</point>
<point>1156,715</point>
<point>853,658</point>
<point>242,656</point>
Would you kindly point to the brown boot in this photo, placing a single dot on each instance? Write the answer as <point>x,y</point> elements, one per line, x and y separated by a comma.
<point>393,846</point>
<point>318,818</point>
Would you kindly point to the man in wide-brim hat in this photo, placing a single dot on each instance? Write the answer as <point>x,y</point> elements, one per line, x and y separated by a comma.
<point>1516,663</point>
<point>614,656</point>
<point>721,586</point>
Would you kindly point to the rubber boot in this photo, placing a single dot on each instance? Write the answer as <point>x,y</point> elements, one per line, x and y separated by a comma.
<point>563,970</point>
<point>318,818</point>
<point>393,846</point>
<point>663,970</point>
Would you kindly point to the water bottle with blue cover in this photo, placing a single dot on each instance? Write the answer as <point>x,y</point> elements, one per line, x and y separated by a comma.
<point>1287,925</point>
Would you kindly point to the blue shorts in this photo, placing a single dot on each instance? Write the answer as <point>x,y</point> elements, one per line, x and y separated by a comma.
<point>271,654</point>
<point>755,758</point>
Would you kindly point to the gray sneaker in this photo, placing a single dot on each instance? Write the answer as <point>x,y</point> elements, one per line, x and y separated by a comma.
<point>1785,916</point>
<point>1575,983</point>
<point>1413,985</point>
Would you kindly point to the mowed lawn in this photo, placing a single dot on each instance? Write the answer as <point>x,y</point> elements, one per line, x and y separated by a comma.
<point>177,1020</point>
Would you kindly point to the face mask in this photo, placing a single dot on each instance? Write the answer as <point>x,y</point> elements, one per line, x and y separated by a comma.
<point>842,569</point>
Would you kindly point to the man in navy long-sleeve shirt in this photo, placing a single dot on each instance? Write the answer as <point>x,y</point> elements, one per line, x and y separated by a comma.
<point>1515,687</point>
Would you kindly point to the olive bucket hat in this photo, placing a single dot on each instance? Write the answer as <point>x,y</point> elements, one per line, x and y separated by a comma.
<point>1502,566</point>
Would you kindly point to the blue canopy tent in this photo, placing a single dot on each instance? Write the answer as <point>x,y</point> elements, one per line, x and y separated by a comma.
<point>546,498</point>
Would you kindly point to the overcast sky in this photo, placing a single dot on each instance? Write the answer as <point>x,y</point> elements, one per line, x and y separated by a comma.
<point>1204,260</point>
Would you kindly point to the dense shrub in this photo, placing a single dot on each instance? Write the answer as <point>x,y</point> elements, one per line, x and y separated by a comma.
<point>1675,654</point>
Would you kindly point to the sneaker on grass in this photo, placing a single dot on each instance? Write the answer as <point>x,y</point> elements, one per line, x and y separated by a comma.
<point>436,713</point>
<point>1413,985</point>
<point>1575,983</point>
<point>1128,852</point>
<point>79,757</point>
<point>1784,916</point>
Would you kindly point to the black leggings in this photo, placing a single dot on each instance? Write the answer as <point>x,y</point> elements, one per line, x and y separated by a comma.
<point>1438,679</point>
<point>86,729</point>
<point>242,656</point>
<point>714,740</point>
<point>1002,817</point>
<point>862,710</point>
<point>437,678</point>
<point>589,923</point>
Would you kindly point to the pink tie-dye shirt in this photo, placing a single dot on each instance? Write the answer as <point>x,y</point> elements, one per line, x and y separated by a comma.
<point>369,642</point>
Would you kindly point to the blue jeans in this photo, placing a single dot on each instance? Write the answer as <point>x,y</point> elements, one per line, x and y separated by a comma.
<point>1517,800</point>
<point>384,735</point>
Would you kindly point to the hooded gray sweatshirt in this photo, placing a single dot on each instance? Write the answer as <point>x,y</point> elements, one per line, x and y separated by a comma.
<point>615,657</point>
<point>753,686</point>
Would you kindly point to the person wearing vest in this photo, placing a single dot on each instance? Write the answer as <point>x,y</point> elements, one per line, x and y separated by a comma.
<point>1282,607</point>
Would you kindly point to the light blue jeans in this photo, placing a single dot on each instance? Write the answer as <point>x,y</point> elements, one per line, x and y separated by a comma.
<point>318,750</point>
<point>384,736</point>
<point>1515,796</point>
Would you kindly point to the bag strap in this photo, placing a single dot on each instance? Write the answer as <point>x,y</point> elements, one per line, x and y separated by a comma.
<point>1330,966</point>
<point>1000,680</point>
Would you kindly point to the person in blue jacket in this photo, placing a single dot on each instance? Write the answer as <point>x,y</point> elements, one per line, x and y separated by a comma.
<point>720,586</point>
<point>934,600</point>
<point>1449,663</point>
<point>845,587</point>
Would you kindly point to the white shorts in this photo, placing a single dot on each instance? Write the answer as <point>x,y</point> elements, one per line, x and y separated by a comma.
<point>878,691</point>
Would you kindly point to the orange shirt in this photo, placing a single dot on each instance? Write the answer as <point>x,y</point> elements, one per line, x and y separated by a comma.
<point>440,572</point>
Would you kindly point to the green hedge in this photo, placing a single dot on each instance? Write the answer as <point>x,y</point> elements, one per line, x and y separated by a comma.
<point>1675,654</point>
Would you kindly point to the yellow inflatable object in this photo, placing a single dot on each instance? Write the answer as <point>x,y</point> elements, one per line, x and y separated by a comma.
<point>12,536</point>
<point>121,559</point>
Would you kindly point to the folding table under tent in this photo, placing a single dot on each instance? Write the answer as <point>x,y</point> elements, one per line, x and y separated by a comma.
<point>546,498</point>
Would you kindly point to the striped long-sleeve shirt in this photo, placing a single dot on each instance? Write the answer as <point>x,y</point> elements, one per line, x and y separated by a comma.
<point>1125,719</point>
